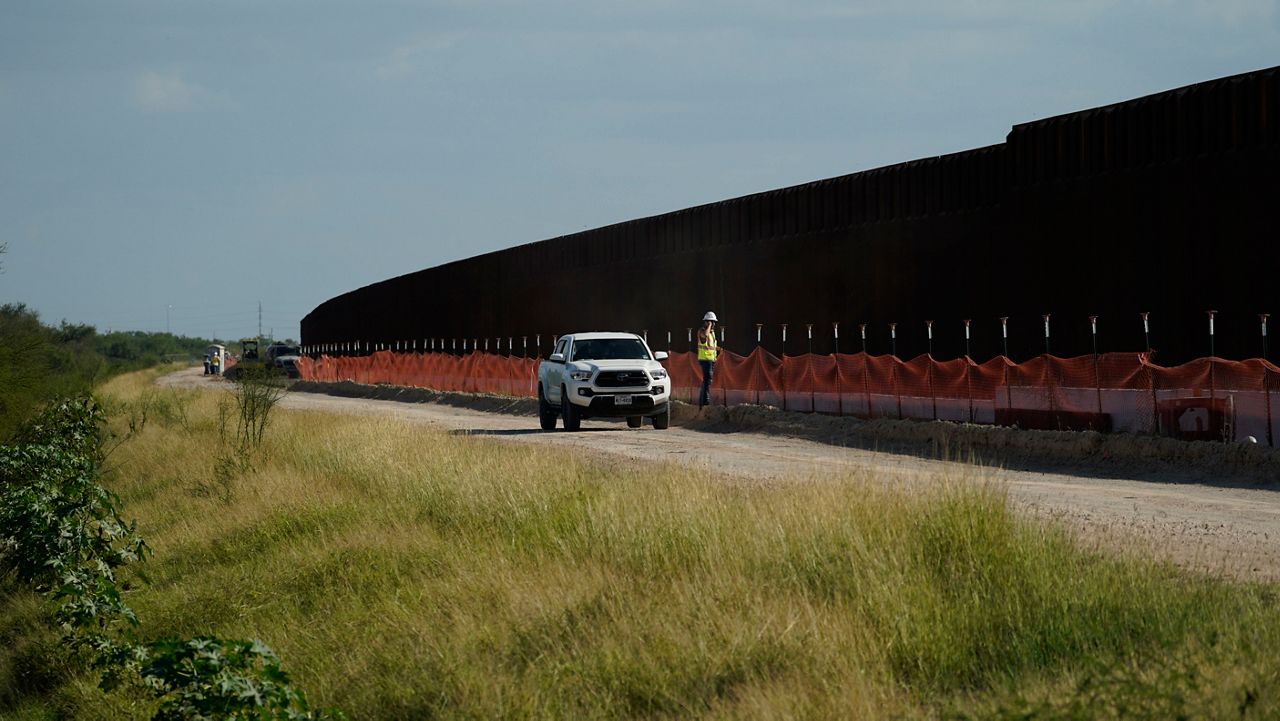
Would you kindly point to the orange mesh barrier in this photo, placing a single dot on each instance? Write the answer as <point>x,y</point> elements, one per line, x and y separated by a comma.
<point>1206,399</point>
<point>472,373</point>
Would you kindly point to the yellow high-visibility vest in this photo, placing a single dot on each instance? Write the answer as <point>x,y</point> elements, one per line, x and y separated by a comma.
<point>707,348</point>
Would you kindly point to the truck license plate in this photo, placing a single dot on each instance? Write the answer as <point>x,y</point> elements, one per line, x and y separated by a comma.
<point>622,400</point>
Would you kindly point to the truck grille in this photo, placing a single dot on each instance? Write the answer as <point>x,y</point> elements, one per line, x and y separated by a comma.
<point>622,379</point>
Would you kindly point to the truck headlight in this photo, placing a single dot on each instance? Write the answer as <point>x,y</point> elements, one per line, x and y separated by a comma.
<point>580,375</point>
<point>658,374</point>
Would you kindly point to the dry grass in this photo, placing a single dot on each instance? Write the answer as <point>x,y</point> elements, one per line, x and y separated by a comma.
<point>401,572</point>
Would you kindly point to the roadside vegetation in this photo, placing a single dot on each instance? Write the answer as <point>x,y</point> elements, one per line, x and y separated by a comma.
<point>404,572</point>
<point>62,538</point>
<point>40,363</point>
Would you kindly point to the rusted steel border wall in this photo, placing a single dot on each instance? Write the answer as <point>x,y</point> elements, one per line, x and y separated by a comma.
<point>1166,204</point>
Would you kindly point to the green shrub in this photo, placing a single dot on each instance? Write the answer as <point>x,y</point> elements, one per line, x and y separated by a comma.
<point>213,678</point>
<point>61,531</point>
<point>62,535</point>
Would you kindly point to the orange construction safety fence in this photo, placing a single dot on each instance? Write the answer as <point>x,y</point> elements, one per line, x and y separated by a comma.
<point>1206,399</point>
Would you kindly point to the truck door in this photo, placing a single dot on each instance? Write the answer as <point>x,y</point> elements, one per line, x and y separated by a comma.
<point>555,371</point>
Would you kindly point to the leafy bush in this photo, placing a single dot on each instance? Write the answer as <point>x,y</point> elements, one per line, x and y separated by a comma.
<point>212,678</point>
<point>60,533</point>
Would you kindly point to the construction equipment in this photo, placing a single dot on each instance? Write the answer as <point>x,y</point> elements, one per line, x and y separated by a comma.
<point>249,363</point>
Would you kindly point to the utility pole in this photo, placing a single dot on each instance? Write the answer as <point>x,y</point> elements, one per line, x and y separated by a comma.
<point>259,319</point>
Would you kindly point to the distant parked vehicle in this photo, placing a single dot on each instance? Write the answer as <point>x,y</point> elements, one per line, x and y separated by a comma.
<point>592,375</point>
<point>277,359</point>
<point>283,358</point>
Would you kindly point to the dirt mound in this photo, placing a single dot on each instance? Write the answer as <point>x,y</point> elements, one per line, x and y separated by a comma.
<point>1106,454</point>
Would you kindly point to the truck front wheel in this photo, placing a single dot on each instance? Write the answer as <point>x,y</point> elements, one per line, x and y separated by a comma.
<point>572,421</point>
<point>546,412</point>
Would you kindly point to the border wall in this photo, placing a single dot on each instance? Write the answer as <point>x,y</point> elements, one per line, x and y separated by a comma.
<point>1165,204</point>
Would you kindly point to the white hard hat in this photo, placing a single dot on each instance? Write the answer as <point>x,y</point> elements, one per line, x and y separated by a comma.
<point>711,316</point>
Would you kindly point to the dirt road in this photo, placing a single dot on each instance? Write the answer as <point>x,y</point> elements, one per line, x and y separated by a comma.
<point>1222,529</point>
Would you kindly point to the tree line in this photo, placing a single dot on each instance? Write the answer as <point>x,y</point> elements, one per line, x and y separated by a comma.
<point>40,362</point>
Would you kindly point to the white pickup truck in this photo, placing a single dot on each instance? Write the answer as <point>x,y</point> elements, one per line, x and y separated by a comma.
<point>592,375</point>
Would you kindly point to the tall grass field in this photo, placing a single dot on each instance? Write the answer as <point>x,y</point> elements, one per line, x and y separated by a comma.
<point>401,572</point>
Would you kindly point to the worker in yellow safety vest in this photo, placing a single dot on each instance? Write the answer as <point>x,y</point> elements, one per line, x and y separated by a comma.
<point>708,349</point>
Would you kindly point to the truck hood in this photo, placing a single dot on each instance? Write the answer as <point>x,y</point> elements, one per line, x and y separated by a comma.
<point>595,365</point>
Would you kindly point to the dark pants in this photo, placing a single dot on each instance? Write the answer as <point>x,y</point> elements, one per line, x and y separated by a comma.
<point>708,370</point>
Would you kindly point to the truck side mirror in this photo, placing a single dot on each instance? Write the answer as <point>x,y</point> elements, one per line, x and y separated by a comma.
<point>556,358</point>
<point>660,355</point>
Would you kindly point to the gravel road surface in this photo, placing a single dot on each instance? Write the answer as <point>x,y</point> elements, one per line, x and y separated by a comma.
<point>1227,529</point>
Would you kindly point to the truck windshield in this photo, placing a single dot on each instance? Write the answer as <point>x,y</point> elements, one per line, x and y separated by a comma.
<point>609,349</point>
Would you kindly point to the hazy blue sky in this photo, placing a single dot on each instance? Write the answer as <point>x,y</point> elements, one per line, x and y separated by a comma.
<point>208,155</point>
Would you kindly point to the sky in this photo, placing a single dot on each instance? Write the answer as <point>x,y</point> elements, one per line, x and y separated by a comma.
<point>170,165</point>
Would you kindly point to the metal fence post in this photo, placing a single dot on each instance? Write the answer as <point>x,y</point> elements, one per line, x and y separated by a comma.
<point>1097,381</point>
<point>1008,387</point>
<point>897,392</point>
<point>835,357</point>
<point>933,396</point>
<point>1211,313</point>
<point>1263,317</point>
<point>782,371</point>
<point>866,379</point>
<point>1155,406</point>
<point>968,377</point>
<point>1266,393</point>
<point>1049,385</point>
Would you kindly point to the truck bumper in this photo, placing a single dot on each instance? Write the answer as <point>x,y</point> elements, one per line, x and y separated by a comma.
<point>605,406</point>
